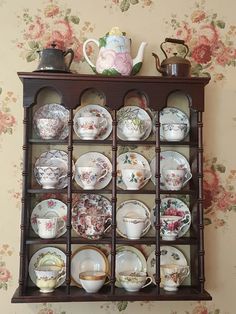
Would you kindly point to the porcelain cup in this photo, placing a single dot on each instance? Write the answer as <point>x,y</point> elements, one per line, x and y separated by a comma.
<point>134,281</point>
<point>134,225</point>
<point>171,226</point>
<point>92,281</point>
<point>93,226</point>
<point>173,275</point>
<point>133,129</point>
<point>175,179</point>
<point>48,176</point>
<point>49,228</point>
<point>49,128</point>
<point>90,176</point>
<point>48,277</point>
<point>174,131</point>
<point>135,178</point>
<point>90,126</point>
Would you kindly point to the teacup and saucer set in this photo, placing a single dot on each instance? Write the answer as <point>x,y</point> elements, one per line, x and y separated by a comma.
<point>134,123</point>
<point>50,121</point>
<point>92,122</point>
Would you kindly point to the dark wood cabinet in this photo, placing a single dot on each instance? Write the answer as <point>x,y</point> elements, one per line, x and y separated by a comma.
<point>157,90</point>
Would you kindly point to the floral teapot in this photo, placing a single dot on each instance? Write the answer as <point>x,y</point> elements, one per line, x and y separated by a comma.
<point>114,55</point>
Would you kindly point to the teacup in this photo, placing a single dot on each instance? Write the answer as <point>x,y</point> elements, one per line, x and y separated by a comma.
<point>49,228</point>
<point>134,281</point>
<point>175,179</point>
<point>171,226</point>
<point>48,176</point>
<point>90,126</point>
<point>135,225</point>
<point>173,275</point>
<point>92,281</point>
<point>135,178</point>
<point>133,129</point>
<point>93,226</point>
<point>174,131</point>
<point>49,128</point>
<point>90,176</point>
<point>48,277</point>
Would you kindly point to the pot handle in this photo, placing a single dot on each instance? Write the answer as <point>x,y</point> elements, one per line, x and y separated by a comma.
<point>175,41</point>
<point>85,53</point>
<point>71,52</point>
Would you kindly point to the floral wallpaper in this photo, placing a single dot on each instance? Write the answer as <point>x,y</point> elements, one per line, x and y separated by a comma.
<point>209,30</point>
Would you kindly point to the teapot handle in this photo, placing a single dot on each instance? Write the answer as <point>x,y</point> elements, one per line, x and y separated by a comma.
<point>71,52</point>
<point>175,41</point>
<point>85,53</point>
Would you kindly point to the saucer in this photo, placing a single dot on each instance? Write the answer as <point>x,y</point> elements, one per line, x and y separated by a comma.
<point>171,206</point>
<point>47,256</point>
<point>53,111</point>
<point>95,159</point>
<point>88,204</point>
<point>171,115</point>
<point>132,112</point>
<point>48,209</point>
<point>130,159</point>
<point>55,158</point>
<point>98,111</point>
<point>169,160</point>
<point>133,206</point>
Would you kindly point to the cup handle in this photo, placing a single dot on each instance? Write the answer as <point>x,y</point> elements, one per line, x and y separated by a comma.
<point>147,176</point>
<point>149,281</point>
<point>184,274</point>
<point>184,224</point>
<point>61,274</point>
<point>62,225</point>
<point>103,175</point>
<point>188,176</point>
<point>108,220</point>
<point>147,222</point>
<point>103,123</point>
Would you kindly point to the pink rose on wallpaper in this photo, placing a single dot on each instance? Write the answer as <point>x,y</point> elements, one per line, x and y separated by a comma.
<point>5,275</point>
<point>200,309</point>
<point>62,36</point>
<point>123,63</point>
<point>35,30</point>
<point>197,16</point>
<point>202,53</point>
<point>207,34</point>
<point>51,10</point>
<point>6,121</point>
<point>184,32</point>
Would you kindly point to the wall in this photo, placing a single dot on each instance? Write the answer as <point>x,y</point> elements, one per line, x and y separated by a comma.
<point>209,30</point>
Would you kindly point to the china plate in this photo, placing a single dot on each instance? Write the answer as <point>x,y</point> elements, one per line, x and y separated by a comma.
<point>169,255</point>
<point>171,206</point>
<point>128,258</point>
<point>130,159</point>
<point>47,256</point>
<point>47,209</point>
<point>132,112</point>
<point>133,206</point>
<point>172,115</point>
<point>95,159</point>
<point>169,160</point>
<point>88,203</point>
<point>53,111</point>
<point>56,158</point>
<point>87,258</point>
<point>98,111</point>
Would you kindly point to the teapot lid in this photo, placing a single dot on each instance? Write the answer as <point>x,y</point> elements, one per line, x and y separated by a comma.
<point>115,31</point>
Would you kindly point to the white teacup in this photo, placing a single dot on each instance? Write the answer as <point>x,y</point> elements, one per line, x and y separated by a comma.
<point>175,179</point>
<point>49,128</point>
<point>48,176</point>
<point>174,131</point>
<point>134,225</point>
<point>171,226</point>
<point>49,228</point>
<point>135,178</point>
<point>90,176</point>
<point>92,281</point>
<point>133,281</point>
<point>90,126</point>
<point>173,275</point>
<point>133,129</point>
<point>48,277</point>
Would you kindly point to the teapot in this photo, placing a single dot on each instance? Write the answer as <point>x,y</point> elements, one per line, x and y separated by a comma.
<point>114,55</point>
<point>175,65</point>
<point>53,60</point>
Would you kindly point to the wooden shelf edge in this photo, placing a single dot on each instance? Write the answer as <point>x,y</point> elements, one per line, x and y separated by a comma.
<point>79,295</point>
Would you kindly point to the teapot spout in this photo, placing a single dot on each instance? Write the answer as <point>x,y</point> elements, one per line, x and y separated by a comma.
<point>158,66</point>
<point>138,60</point>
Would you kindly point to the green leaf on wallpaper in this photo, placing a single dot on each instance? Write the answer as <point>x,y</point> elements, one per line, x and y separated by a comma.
<point>33,44</point>
<point>122,305</point>
<point>233,208</point>
<point>134,1</point>
<point>68,11</point>
<point>207,221</point>
<point>124,5</point>
<point>31,56</point>
<point>220,23</point>
<point>221,168</point>
<point>75,19</point>
<point>0,90</point>
<point>217,311</point>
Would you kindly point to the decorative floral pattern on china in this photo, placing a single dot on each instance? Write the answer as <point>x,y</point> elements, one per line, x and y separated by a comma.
<point>210,39</point>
